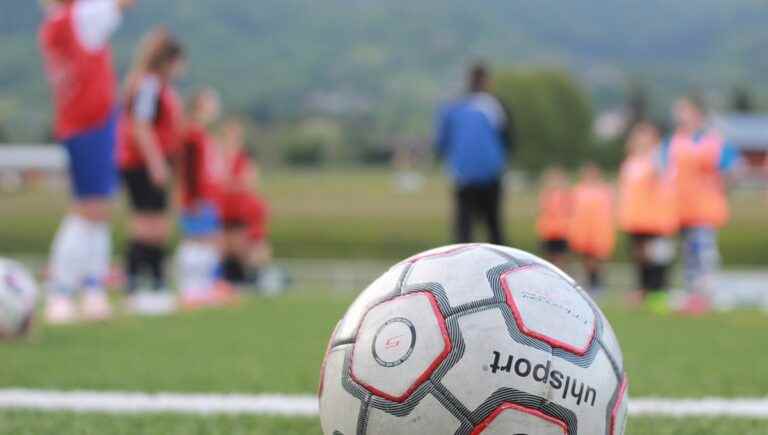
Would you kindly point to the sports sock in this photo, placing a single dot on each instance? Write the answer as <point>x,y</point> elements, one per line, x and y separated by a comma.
<point>69,256</point>
<point>232,270</point>
<point>595,279</point>
<point>135,262</point>
<point>156,264</point>
<point>99,256</point>
<point>198,264</point>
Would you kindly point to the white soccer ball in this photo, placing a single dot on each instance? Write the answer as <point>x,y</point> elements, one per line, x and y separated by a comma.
<point>473,339</point>
<point>18,298</point>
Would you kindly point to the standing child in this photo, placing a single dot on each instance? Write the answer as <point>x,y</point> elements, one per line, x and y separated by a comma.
<point>554,215</point>
<point>149,138</point>
<point>244,212</point>
<point>648,214</point>
<point>75,41</point>
<point>198,254</point>
<point>700,160</point>
<point>592,232</point>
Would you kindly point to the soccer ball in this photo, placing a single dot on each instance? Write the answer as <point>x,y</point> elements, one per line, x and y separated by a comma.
<point>473,339</point>
<point>18,297</point>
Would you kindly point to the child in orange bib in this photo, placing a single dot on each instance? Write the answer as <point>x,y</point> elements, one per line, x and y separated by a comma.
<point>554,215</point>
<point>592,229</point>
<point>648,213</point>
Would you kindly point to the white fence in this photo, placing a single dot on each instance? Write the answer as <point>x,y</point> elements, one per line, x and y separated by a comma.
<point>24,157</point>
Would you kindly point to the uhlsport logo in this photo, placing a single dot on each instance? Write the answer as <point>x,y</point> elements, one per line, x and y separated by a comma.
<point>394,342</point>
<point>524,368</point>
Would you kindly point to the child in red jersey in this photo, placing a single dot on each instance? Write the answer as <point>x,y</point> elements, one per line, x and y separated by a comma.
<point>201,174</point>
<point>554,215</point>
<point>149,138</point>
<point>244,213</point>
<point>75,42</point>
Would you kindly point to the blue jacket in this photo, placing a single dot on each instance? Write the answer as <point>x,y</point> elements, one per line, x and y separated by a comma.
<point>471,138</point>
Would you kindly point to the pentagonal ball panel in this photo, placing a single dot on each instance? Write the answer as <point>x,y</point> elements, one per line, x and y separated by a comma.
<point>512,419</point>
<point>549,308</point>
<point>462,272</point>
<point>399,344</point>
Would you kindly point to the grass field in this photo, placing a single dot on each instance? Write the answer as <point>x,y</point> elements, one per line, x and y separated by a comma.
<point>356,214</point>
<point>24,423</point>
<point>276,345</point>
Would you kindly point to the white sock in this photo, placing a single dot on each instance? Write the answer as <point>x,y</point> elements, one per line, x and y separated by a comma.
<point>69,256</point>
<point>197,263</point>
<point>99,256</point>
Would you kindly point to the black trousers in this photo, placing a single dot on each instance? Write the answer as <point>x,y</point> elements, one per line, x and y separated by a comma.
<point>651,277</point>
<point>479,202</point>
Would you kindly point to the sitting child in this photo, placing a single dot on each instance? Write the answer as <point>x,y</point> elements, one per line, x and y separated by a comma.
<point>244,213</point>
<point>199,252</point>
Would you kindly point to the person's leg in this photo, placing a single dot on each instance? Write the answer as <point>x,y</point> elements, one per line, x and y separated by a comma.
<point>198,255</point>
<point>66,269</point>
<point>150,295</point>
<point>702,258</point>
<point>709,261</point>
<point>701,262</point>
<point>491,206</point>
<point>593,267</point>
<point>95,304</point>
<point>234,249</point>
<point>152,231</point>
<point>464,203</point>
<point>81,251</point>
<point>691,260</point>
<point>136,182</point>
<point>135,262</point>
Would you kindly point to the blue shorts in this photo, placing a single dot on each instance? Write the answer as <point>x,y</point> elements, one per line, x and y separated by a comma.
<point>92,166</point>
<point>202,222</point>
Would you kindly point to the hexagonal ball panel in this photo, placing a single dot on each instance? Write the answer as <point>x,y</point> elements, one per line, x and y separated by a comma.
<point>462,271</point>
<point>548,308</point>
<point>510,418</point>
<point>399,344</point>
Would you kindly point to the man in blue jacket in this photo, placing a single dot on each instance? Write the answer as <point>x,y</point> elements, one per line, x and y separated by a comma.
<point>474,136</point>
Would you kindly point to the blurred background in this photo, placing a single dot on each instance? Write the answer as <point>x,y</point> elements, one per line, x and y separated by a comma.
<point>347,88</point>
<point>340,99</point>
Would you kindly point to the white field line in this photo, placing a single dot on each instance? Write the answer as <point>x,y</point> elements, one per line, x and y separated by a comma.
<point>306,406</point>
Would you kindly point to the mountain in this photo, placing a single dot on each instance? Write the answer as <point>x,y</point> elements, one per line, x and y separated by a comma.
<point>395,59</point>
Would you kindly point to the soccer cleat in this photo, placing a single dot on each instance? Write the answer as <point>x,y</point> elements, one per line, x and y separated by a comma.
<point>658,303</point>
<point>222,294</point>
<point>60,310</point>
<point>695,305</point>
<point>95,306</point>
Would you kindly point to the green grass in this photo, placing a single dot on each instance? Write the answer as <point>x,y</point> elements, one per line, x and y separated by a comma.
<point>265,345</point>
<point>31,423</point>
<point>276,345</point>
<point>352,214</point>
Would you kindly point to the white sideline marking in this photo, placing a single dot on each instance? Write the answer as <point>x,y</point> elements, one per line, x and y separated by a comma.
<point>706,407</point>
<point>139,403</point>
<point>306,406</point>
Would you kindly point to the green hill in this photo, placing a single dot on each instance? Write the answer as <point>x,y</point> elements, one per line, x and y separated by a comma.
<point>394,59</point>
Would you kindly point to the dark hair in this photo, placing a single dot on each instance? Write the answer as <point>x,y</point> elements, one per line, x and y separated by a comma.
<point>169,51</point>
<point>479,75</point>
